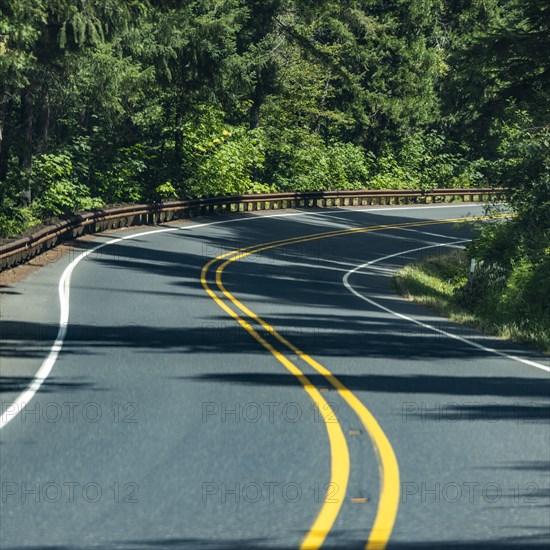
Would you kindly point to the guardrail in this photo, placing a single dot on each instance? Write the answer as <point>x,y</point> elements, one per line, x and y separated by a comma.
<point>21,250</point>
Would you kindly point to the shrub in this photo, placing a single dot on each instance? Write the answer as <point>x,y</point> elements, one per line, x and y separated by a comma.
<point>224,163</point>
<point>422,161</point>
<point>299,161</point>
<point>123,180</point>
<point>57,189</point>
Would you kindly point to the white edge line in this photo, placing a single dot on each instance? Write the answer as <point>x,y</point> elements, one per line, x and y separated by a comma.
<point>426,325</point>
<point>43,372</point>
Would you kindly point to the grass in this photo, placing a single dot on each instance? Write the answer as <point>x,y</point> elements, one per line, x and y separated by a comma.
<point>438,281</point>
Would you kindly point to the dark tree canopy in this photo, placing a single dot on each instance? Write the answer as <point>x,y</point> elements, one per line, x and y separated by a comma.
<point>112,101</point>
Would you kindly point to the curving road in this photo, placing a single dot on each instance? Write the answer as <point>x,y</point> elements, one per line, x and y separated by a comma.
<point>254,382</point>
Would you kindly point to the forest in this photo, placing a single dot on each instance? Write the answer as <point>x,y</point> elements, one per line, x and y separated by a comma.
<point>107,102</point>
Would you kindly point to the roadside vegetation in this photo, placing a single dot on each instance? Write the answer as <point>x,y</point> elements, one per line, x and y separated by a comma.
<point>511,304</point>
<point>119,101</point>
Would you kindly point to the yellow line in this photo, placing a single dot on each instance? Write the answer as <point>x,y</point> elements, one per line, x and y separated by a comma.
<point>340,464</point>
<point>388,466</point>
<point>335,233</point>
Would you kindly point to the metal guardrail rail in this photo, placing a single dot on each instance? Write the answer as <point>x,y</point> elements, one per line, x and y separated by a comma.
<point>21,250</point>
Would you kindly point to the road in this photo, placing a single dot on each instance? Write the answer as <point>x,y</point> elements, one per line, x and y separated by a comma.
<point>243,383</point>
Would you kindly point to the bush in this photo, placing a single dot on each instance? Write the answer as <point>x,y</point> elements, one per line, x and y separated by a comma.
<point>511,285</point>
<point>217,158</point>
<point>300,161</point>
<point>57,189</point>
<point>165,192</point>
<point>16,220</point>
<point>123,180</point>
<point>226,163</point>
<point>421,161</point>
<point>512,304</point>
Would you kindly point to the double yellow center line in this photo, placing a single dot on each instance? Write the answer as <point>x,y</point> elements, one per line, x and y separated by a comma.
<point>340,462</point>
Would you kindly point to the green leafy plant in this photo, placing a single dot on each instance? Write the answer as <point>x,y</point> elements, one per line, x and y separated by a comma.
<point>165,191</point>
<point>59,192</point>
<point>122,181</point>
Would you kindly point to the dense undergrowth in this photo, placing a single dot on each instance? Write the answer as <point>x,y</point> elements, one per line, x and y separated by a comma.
<point>512,304</point>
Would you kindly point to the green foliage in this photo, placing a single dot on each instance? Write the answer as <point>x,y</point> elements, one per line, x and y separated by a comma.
<point>15,220</point>
<point>516,253</point>
<point>165,192</point>
<point>513,267</point>
<point>113,101</point>
<point>301,161</point>
<point>20,22</point>
<point>122,180</point>
<point>524,165</point>
<point>59,191</point>
<point>513,304</point>
<point>515,297</point>
<point>223,162</point>
<point>526,292</point>
<point>422,161</point>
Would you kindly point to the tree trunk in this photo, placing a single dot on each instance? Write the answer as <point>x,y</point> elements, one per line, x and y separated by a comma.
<point>1,130</point>
<point>4,159</point>
<point>5,155</point>
<point>178,139</point>
<point>44,122</point>
<point>4,111</point>
<point>255,109</point>
<point>25,145</point>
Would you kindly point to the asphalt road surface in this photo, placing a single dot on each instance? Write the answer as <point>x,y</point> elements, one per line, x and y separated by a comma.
<point>255,382</point>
